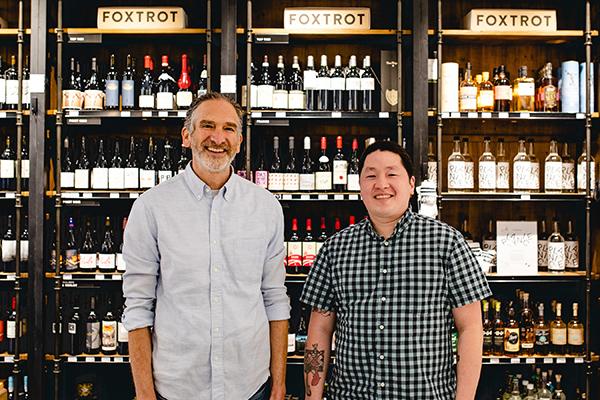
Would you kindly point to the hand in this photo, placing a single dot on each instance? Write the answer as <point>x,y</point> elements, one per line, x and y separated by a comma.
<point>277,392</point>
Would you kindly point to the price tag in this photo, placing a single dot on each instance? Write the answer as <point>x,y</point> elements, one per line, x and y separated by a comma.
<point>530,361</point>
<point>125,114</point>
<point>486,115</point>
<point>72,113</point>
<point>280,114</point>
<point>99,277</point>
<point>71,359</point>
<point>118,359</point>
<point>10,195</point>
<point>286,197</point>
<point>86,195</point>
<point>322,197</point>
<point>114,195</point>
<point>502,115</point>
<point>548,360</point>
<point>561,360</point>
<point>67,277</point>
<point>515,361</point>
<point>524,115</point>
<point>472,115</point>
<point>445,115</point>
<point>353,197</point>
<point>163,114</point>
<point>117,277</point>
<point>304,197</point>
<point>69,195</point>
<point>90,359</point>
<point>526,196</point>
<point>384,115</point>
<point>578,360</point>
<point>134,195</point>
<point>105,359</point>
<point>147,114</point>
<point>494,361</point>
<point>454,115</point>
<point>580,116</point>
<point>9,358</point>
<point>336,115</point>
<point>256,114</point>
<point>338,197</point>
<point>181,114</point>
<point>11,277</point>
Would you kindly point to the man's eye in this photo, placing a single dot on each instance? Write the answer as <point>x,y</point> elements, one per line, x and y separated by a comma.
<point>370,176</point>
<point>392,174</point>
<point>206,126</point>
<point>230,129</point>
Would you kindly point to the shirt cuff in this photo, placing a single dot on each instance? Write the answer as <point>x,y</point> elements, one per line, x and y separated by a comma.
<point>278,312</point>
<point>136,318</point>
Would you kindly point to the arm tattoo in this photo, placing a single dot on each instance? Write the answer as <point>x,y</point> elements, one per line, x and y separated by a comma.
<point>314,361</point>
<point>324,313</point>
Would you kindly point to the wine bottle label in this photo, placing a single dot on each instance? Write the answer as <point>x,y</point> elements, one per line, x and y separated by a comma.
<point>24,250</point>
<point>522,175</point>
<point>456,175</point>
<point>122,333</point>
<point>469,175</point>
<point>120,262</point>
<point>432,171</point>
<point>488,337</point>
<point>556,256</point>
<point>310,80</point>
<point>88,260</point>
<point>291,347</point>
<point>67,179</point>
<point>132,178</point>
<point>82,179</point>
<point>11,329</point>
<point>526,345</point>
<point>72,100</point>
<point>71,259</point>
<point>542,253</point>
<point>261,178</point>
<point>26,92</point>
<point>558,336</point>
<point>571,254</point>
<point>323,180</point>
<point>275,181</point>
<point>285,249</point>
<point>92,335</point>
<point>489,245</point>
<point>280,99</point>
<point>309,253</point>
<point>72,328</point>
<point>582,176</point>
<point>553,176</point>
<point>503,175</point>
<point>340,172</point>
<point>2,90</point>
<point>487,175</point>
<point>485,99</point>
<point>535,176</point>
<point>575,336</point>
<point>128,93</point>
<point>468,98</point>
<point>502,92</point>
<point>93,100</point>
<point>296,100</point>
<point>146,101</point>
<point>109,335</point>
<point>147,178</point>
<point>116,178</point>
<point>353,183</point>
<point>254,94</point>
<point>352,83</point>
<point>294,254</point>
<point>9,250</point>
<point>307,182</point>
<point>550,96</point>
<point>25,169</point>
<point>7,169</point>
<point>106,261</point>
<point>291,182</point>
<point>112,93</point>
<point>568,176</point>
<point>323,83</point>
<point>265,96</point>
<point>12,91</point>
<point>367,83</point>
<point>301,343</point>
<point>163,176</point>
<point>526,89</point>
<point>184,99</point>
<point>511,342</point>
<point>99,178</point>
<point>542,337</point>
<point>338,83</point>
<point>164,101</point>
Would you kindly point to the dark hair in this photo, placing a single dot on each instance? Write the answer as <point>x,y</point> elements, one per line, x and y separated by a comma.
<point>189,117</point>
<point>386,145</point>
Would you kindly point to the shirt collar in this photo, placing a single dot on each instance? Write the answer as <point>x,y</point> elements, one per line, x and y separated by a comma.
<point>199,188</point>
<point>400,227</point>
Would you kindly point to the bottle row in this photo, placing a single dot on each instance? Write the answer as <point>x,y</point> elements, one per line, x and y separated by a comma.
<point>337,89</point>
<point>8,390</point>
<point>523,94</point>
<point>494,172</point>
<point>9,85</point>
<point>128,90</point>
<point>8,245</point>
<point>8,165</point>
<point>540,385</point>
<point>8,325</point>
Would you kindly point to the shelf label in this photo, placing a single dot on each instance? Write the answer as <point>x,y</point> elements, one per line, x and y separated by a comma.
<point>105,359</point>
<point>134,195</point>
<point>286,197</point>
<point>322,197</point>
<point>338,197</point>
<point>353,197</point>
<point>578,360</point>
<point>67,277</point>
<point>336,114</point>
<point>99,277</point>
<point>494,361</point>
<point>272,39</point>
<point>548,360</point>
<point>384,115</point>
<point>87,195</point>
<point>503,115</point>
<point>90,359</point>
<point>524,115</point>
<point>561,360</point>
<point>9,358</point>
<point>445,115</point>
<point>486,115</point>
<point>116,277</point>
<point>10,195</point>
<point>85,38</point>
<point>37,83</point>
<point>181,114</point>
<point>73,113</point>
<point>580,116</point>
<point>11,277</point>
<point>114,195</point>
<point>515,361</point>
<point>304,197</point>
<point>530,361</point>
<point>454,115</point>
<point>163,114</point>
<point>147,114</point>
<point>256,114</point>
<point>118,359</point>
<point>472,115</point>
<point>125,114</point>
<point>280,114</point>
<point>71,359</point>
<point>2,115</point>
<point>526,196</point>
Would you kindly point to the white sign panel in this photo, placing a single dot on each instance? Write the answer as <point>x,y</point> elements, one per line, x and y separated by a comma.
<point>517,247</point>
<point>327,19</point>
<point>141,18</point>
<point>503,20</point>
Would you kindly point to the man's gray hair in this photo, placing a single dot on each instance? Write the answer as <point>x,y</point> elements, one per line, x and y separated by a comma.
<point>190,120</point>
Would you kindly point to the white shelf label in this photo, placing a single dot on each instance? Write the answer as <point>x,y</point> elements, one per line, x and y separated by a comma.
<point>486,115</point>
<point>147,114</point>
<point>578,360</point>
<point>105,359</point>
<point>114,195</point>
<point>73,113</point>
<point>37,83</point>
<point>10,195</point>
<point>304,197</point>
<point>86,195</point>
<point>454,115</point>
<point>502,115</point>
<point>256,114</point>
<point>445,115</point>
<point>11,277</point>
<point>134,195</point>
<point>99,277</point>
<point>116,277</point>
<point>548,360</point>
<point>530,361</point>
<point>280,114</point>
<point>515,361</point>
<point>68,277</point>
<point>9,358</point>
<point>353,197</point>
<point>181,114</point>
<point>90,359</point>
<point>322,197</point>
<point>525,197</point>
<point>338,197</point>
<point>561,360</point>
<point>125,114</point>
<point>524,115</point>
<point>286,197</point>
<point>336,115</point>
<point>70,195</point>
<point>71,359</point>
<point>580,116</point>
<point>472,115</point>
<point>119,359</point>
<point>163,113</point>
<point>494,361</point>
<point>384,115</point>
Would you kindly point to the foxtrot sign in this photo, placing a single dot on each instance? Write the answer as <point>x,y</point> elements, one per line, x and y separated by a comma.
<point>502,20</point>
<point>327,19</point>
<point>141,18</point>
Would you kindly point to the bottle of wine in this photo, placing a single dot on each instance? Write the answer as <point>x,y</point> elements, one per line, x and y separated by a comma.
<point>128,86</point>
<point>74,332</point>
<point>302,333</point>
<point>119,260</point>
<point>307,173</point>
<point>280,92</point>
<point>310,84</point>
<point>26,101</point>
<point>92,330</point>
<point>323,86</point>
<point>88,257</point>
<point>568,170</point>
<point>296,99</point>
<point>116,171</point>
<point>11,327</point>
<point>203,80</point>
<point>276,171</point>
<point>323,177</point>
<point>265,86</point>
<point>542,333</point>
<point>24,165</point>
<point>571,249</point>
<point>340,168</point>
<point>67,174</point>
<point>553,170</point>
<point>253,89</point>
<point>291,347</point>
<point>322,236</point>
<point>147,91</point>
<point>353,176</point>
<point>57,325</point>
<point>261,175</point>
<point>72,95</point>
<point>502,91</point>
<point>184,94</point>
<point>7,167</point>
<point>109,330</point>
<point>183,159</point>
<point>71,250</point>
<point>3,86</point>
<point>165,87</point>
<point>309,248</point>
<point>338,85</point>
<point>25,243</point>
<point>82,168</point>
<point>9,245</point>
<point>148,172</point>
<point>12,85</point>
<point>558,332</point>
<point>106,256</point>
<point>93,94</point>
<point>353,85</point>
<point>291,177</point>
<point>165,171</point>
<point>132,170</point>
<point>543,248</point>
<point>122,334</point>
<point>100,169</point>
<point>294,251</point>
<point>367,85</point>
<point>556,250</point>
<point>489,240</point>
<point>111,88</point>
<point>465,231</point>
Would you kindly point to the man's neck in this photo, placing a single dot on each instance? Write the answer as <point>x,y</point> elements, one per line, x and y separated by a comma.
<point>215,180</point>
<point>385,226</point>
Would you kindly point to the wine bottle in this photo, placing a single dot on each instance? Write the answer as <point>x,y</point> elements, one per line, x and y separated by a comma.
<point>92,330</point>
<point>340,168</point>
<point>302,333</point>
<point>100,169</point>
<point>323,177</point>
<point>276,173</point>
<point>71,254</point>
<point>291,344</point>
<point>93,94</point>
<point>148,172</point>
<point>25,165</point>
<point>309,248</point>
<point>280,91</point>
<point>542,246</point>
<point>72,95</point>
<point>265,86</point>
<point>296,99</point>
<point>291,177</point>
<point>294,252</point>
<point>132,170</point>
<point>2,85</point>
<point>203,80</point>
<point>489,240</point>
<point>106,256</point>
<point>322,235</point>
<point>128,86</point>
<point>310,84</point>
<point>7,167</point>
<point>338,85</point>
<point>307,173</point>
<point>12,85</point>
<point>119,260</point>
<point>184,94</point>
<point>261,175</point>
<point>147,92</point>
<point>57,326</point>
<point>116,172</point>
<point>183,159</point>
<point>74,332</point>
<point>26,100</point>
<point>556,250</point>
<point>25,243</point>
<point>88,257</point>
<point>82,168</point>
<point>109,330</point>
<point>253,89</point>
<point>9,245</point>
<point>502,91</point>
<point>11,327</point>
<point>122,334</point>
<point>487,168</point>
<point>165,171</point>
<point>571,249</point>
<point>323,86</point>
<point>111,87</point>
<point>367,85</point>
<point>353,85</point>
<point>165,87</point>
<point>353,176</point>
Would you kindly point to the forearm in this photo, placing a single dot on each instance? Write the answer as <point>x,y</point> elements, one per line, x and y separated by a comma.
<point>470,343</point>
<point>140,356</point>
<point>278,331</point>
<point>317,353</point>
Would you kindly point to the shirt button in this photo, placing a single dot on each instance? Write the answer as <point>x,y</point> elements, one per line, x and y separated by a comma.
<point>216,330</point>
<point>381,356</point>
<point>381,327</point>
<point>382,384</point>
<point>383,299</point>
<point>384,271</point>
<point>199,197</point>
<point>386,243</point>
<point>216,299</point>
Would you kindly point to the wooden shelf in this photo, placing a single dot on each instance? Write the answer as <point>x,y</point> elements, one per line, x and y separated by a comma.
<point>96,31</point>
<point>91,358</point>
<point>556,37</point>
<point>354,32</point>
<point>497,196</point>
<point>13,32</point>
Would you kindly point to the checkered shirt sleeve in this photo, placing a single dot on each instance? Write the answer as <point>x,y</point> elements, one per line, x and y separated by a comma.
<point>318,290</point>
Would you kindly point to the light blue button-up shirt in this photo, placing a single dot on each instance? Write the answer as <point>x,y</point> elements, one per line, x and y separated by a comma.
<point>205,271</point>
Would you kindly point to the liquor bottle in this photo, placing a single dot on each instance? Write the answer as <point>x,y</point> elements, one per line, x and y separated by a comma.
<point>535,168</point>
<point>575,333</point>
<point>542,333</point>
<point>498,340</point>
<point>543,248</point>
<point>464,230</point>
<point>431,164</point>
<point>132,171</point>
<point>25,243</point>
<point>165,87</point>
<point>88,258</point>
<point>340,168</point>
<point>488,329</point>
<point>106,256</point>
<point>7,167</point>
<point>527,329</point>
<point>183,159</point>
<point>502,91</point>
<point>485,98</point>
<point>261,175</point>
<point>25,165</point>
<point>147,99</point>
<point>203,80</point>
<point>82,168</point>
<point>71,253</point>
<point>367,85</point>
<point>309,248</point>
<point>558,332</point>
<point>468,92</point>
<point>553,169</point>
<point>294,251</point>
<point>568,170</point>
<point>93,94</point>
<point>57,325</point>
<point>11,388</point>
<point>487,168</point>
<point>128,86</point>
<point>11,327</point>
<point>265,86</point>
<point>12,85</point>
<point>323,177</point>
<point>74,332</point>
<point>489,240</point>
<point>512,343</point>
<point>338,85</point>
<point>531,392</point>
<point>67,173</point>
<point>547,95</point>
<point>302,333</point>
<point>524,91</point>
<point>276,171</point>
<point>515,393</point>
<point>72,95</point>
<point>9,245</point>
<point>558,391</point>
<point>556,251</point>
<point>184,95</point>
<point>582,174</point>
<point>311,85</point>
<point>456,169</point>
<point>280,92</point>
<point>353,86</point>
<point>109,330</point>
<point>165,170</point>
<point>92,330</point>
<point>571,249</point>
<point>148,171</point>
<point>323,86</point>
<point>296,99</point>
<point>2,85</point>
<point>353,176</point>
<point>307,173</point>
<point>116,172</point>
<point>122,334</point>
<point>119,260</point>
<point>522,169</point>
<point>100,169</point>
<point>111,86</point>
<point>291,347</point>
<point>502,169</point>
<point>291,177</point>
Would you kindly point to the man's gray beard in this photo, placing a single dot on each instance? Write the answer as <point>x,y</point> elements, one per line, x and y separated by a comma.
<point>212,165</point>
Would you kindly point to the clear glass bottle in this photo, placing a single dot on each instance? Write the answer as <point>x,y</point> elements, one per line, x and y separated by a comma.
<point>568,170</point>
<point>535,168</point>
<point>556,250</point>
<point>582,171</point>
<point>553,170</point>
<point>502,169</point>
<point>522,169</point>
<point>515,393</point>
<point>469,166</point>
<point>468,92</point>
<point>456,169</point>
<point>558,333</point>
<point>543,393</point>
<point>571,249</point>
<point>530,392</point>
<point>558,392</point>
<point>487,168</point>
<point>431,164</point>
<point>485,98</point>
<point>524,91</point>
<point>575,334</point>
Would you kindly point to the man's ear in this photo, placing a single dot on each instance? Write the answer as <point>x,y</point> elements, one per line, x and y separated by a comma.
<point>185,137</point>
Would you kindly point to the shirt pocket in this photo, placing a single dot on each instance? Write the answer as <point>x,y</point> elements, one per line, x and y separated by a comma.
<point>245,259</point>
